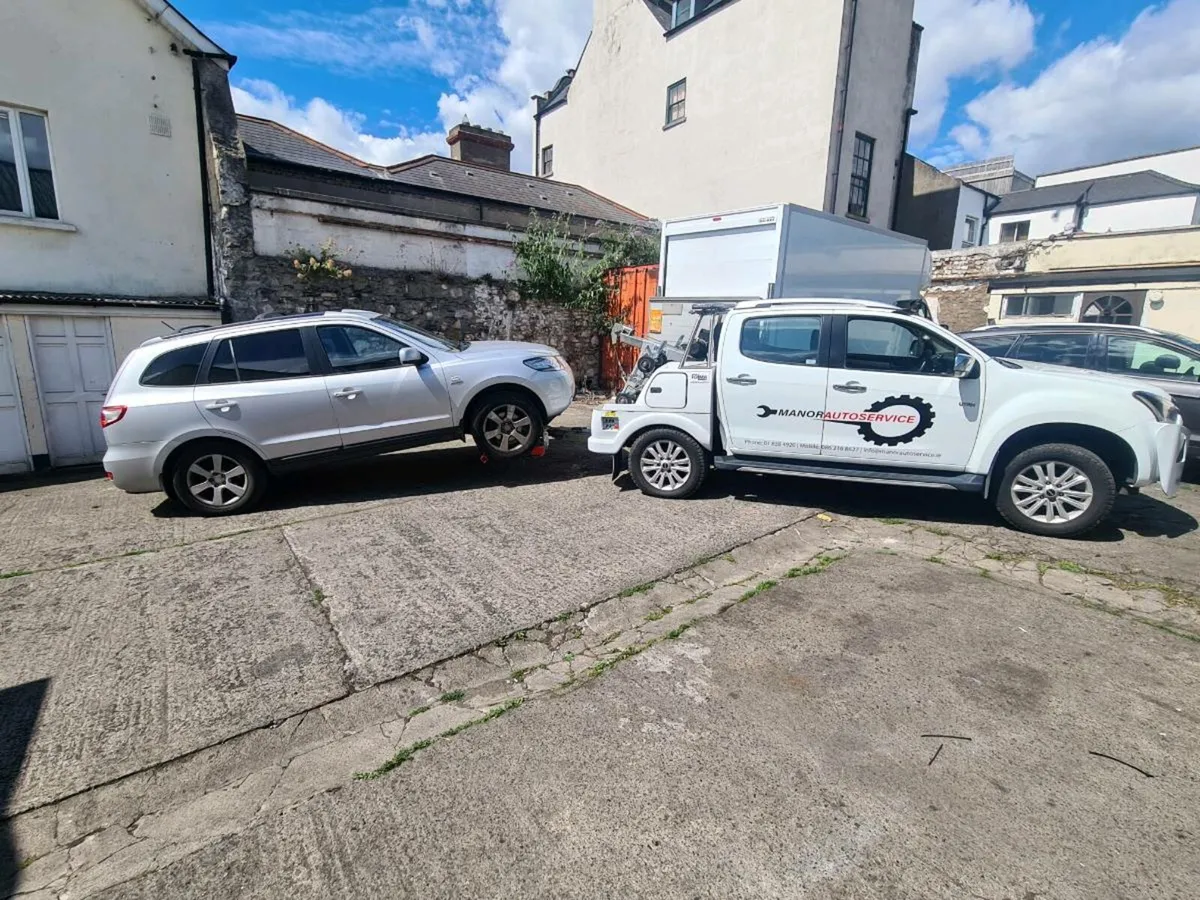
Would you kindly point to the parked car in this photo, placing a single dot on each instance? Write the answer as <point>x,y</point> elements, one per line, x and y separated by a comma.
<point>1166,360</point>
<point>207,415</point>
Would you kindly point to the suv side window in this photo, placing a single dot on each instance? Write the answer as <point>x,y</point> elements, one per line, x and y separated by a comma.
<point>175,368</point>
<point>266,356</point>
<point>885,345</point>
<point>1150,359</point>
<point>785,340</point>
<point>993,344</point>
<point>354,349</point>
<point>1055,349</point>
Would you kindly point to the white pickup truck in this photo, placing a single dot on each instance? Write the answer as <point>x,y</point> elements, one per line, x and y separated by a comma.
<point>862,391</point>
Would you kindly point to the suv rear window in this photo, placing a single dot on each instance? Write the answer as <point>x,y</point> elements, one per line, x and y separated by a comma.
<point>1057,349</point>
<point>175,368</point>
<point>266,356</point>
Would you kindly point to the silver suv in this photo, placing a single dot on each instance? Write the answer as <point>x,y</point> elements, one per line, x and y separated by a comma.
<point>206,415</point>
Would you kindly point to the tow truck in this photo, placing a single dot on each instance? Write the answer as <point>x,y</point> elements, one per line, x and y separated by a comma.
<point>872,392</point>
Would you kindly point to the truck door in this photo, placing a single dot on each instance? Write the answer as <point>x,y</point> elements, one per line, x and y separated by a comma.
<point>893,398</point>
<point>773,373</point>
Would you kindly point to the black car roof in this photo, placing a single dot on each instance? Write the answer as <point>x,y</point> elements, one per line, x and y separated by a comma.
<point>1065,326</point>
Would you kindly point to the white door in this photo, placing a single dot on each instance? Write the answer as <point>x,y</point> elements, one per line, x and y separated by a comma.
<point>773,376</point>
<point>73,359</point>
<point>374,397</point>
<point>894,399</point>
<point>14,454</point>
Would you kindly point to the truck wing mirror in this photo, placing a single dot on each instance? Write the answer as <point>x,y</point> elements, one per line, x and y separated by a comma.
<point>965,366</point>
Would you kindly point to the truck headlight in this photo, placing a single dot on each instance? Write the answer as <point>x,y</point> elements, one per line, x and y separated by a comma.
<point>546,363</point>
<point>1163,410</point>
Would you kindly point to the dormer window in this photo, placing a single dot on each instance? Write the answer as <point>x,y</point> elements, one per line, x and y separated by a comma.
<point>682,12</point>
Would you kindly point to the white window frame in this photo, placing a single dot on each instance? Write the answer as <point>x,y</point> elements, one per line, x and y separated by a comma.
<point>18,138</point>
<point>1026,304</point>
<point>972,238</point>
<point>677,18</point>
<point>1015,225</point>
<point>547,170</point>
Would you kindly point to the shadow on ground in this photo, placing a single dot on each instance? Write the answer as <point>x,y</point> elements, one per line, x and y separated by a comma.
<point>436,470</point>
<point>19,710</point>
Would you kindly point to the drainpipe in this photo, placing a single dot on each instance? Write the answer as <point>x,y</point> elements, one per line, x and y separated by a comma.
<point>840,114</point>
<point>205,199</point>
<point>537,135</point>
<point>908,114</point>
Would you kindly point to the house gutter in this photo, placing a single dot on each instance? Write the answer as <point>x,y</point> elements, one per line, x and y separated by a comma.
<point>840,112</point>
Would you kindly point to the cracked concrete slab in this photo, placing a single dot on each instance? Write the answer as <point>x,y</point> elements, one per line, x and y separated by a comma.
<point>779,750</point>
<point>409,585</point>
<point>153,656</point>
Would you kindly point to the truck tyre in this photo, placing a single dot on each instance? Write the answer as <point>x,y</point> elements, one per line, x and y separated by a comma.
<point>1058,490</point>
<point>217,478</point>
<point>507,424</point>
<point>665,462</point>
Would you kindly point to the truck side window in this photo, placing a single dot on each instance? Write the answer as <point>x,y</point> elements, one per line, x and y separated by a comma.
<point>885,345</point>
<point>786,340</point>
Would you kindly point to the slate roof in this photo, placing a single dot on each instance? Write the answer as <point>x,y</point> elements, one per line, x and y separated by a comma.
<point>89,299</point>
<point>1114,189</point>
<point>265,139</point>
<point>269,140</point>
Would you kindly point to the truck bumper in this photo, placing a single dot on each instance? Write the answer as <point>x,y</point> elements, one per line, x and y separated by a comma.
<point>1171,449</point>
<point>607,433</point>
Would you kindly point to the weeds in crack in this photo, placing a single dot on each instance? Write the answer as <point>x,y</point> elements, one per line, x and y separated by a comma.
<point>1006,557</point>
<point>17,574</point>
<point>757,589</point>
<point>816,567</point>
<point>452,696</point>
<point>936,559</point>
<point>519,674</point>
<point>605,664</point>
<point>637,589</point>
<point>657,614</point>
<point>562,617</point>
<point>407,753</point>
<point>1172,595</point>
<point>676,632</point>
<point>318,596</point>
<point>940,532</point>
<point>892,520</point>
<point>984,573</point>
<point>728,557</point>
<point>421,709</point>
<point>569,656</point>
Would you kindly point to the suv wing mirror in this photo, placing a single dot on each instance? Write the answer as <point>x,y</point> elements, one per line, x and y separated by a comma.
<point>412,357</point>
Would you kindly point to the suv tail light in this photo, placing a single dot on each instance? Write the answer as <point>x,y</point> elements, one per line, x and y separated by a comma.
<point>111,415</point>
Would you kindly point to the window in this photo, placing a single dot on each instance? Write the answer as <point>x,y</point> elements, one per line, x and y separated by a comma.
<point>1039,305</point>
<point>1113,310</point>
<point>26,177</point>
<point>1137,356</point>
<point>972,235</point>
<point>860,175</point>
<point>1070,349</point>
<point>175,368</point>
<point>992,344</point>
<point>786,340</point>
<point>260,357</point>
<point>682,11</point>
<point>883,345</point>
<point>354,349</point>
<point>1014,231</point>
<point>548,161</point>
<point>677,102</point>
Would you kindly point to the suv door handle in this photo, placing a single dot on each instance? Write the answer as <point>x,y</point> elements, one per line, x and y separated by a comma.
<point>347,393</point>
<point>221,405</point>
<point>851,387</point>
<point>742,380</point>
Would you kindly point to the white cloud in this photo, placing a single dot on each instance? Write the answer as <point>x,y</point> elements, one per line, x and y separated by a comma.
<point>339,128</point>
<point>1105,99</point>
<point>972,39</point>
<point>494,54</point>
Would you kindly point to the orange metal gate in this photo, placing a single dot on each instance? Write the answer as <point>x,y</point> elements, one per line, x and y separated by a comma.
<point>629,302</point>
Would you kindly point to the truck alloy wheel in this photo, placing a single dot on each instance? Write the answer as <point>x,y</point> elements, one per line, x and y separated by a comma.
<point>1059,490</point>
<point>664,462</point>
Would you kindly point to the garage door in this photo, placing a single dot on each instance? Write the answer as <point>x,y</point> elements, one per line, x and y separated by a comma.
<point>14,456</point>
<point>74,363</point>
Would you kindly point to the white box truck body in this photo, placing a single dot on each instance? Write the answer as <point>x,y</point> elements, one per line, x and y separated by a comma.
<point>781,251</point>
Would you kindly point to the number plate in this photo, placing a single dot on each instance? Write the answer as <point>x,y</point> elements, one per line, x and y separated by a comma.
<point>609,422</point>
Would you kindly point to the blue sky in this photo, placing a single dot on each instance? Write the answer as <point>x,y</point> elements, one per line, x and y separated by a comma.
<point>1057,82</point>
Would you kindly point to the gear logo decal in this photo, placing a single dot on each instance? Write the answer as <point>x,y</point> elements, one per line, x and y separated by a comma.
<point>872,423</point>
<point>925,416</point>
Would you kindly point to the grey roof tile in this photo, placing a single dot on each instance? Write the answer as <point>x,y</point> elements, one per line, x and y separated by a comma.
<point>269,140</point>
<point>1114,189</point>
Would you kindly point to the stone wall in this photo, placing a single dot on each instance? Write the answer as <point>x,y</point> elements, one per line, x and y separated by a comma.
<point>470,309</point>
<point>960,282</point>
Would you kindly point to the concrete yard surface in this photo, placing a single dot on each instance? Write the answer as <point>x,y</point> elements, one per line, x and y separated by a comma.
<point>880,729</point>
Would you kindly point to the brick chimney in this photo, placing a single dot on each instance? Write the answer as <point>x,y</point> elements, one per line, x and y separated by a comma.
<point>475,144</point>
